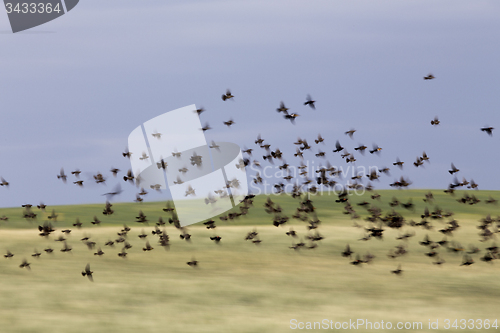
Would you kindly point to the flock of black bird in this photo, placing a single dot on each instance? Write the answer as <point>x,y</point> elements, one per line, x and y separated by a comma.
<point>325,177</point>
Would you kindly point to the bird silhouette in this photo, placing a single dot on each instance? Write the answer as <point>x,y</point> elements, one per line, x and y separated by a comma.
<point>227,95</point>
<point>488,130</point>
<point>309,101</point>
<point>87,272</point>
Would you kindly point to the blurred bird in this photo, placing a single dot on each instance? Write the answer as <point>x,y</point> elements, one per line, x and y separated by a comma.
<point>467,261</point>
<point>282,108</point>
<point>192,263</point>
<point>66,248</point>
<point>292,117</point>
<point>435,121</point>
<point>350,133</point>
<point>227,95</point>
<point>190,191</point>
<point>3,182</point>
<point>398,163</point>
<point>147,247</point>
<point>205,128</point>
<point>25,264</point>
<point>87,272</point>
<point>213,145</point>
<point>376,149</point>
<point>76,173</point>
<point>488,130</point>
<point>127,153</point>
<point>429,77</point>
<point>62,176</point>
<point>77,223</point>
<point>129,177</point>
<point>309,101</point>
<point>338,147</point>
<point>162,164</point>
<point>347,252</point>
<point>398,270</point>
<point>116,190</point>
<point>453,169</point>
<point>95,220</point>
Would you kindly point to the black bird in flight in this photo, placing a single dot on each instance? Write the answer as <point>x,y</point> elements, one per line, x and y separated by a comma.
<point>162,164</point>
<point>25,264</point>
<point>3,182</point>
<point>126,153</point>
<point>227,95</point>
<point>291,117</point>
<point>148,247</point>
<point>87,272</point>
<point>350,133</point>
<point>488,130</point>
<point>77,223</point>
<point>229,123</point>
<point>62,176</point>
<point>192,263</point>
<point>398,163</point>
<point>206,127</point>
<point>309,101</point>
<point>76,173</point>
<point>429,77</point>
<point>116,190</point>
<point>467,261</point>
<point>375,149</point>
<point>129,176</point>
<point>347,252</point>
<point>282,108</point>
<point>338,147</point>
<point>397,271</point>
<point>453,169</point>
<point>435,121</point>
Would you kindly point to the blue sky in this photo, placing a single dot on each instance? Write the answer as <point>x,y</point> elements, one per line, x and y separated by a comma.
<point>73,89</point>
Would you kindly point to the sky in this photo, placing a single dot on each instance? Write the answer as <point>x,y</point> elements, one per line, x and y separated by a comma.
<point>73,89</point>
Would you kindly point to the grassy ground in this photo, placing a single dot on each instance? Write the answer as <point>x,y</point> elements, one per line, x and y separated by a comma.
<point>240,286</point>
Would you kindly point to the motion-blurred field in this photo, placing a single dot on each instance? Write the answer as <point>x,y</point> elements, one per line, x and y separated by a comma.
<point>240,286</point>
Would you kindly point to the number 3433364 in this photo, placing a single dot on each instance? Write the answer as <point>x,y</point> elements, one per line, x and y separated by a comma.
<point>32,8</point>
<point>470,324</point>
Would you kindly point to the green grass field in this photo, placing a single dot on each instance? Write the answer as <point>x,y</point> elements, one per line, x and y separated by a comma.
<point>240,286</point>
